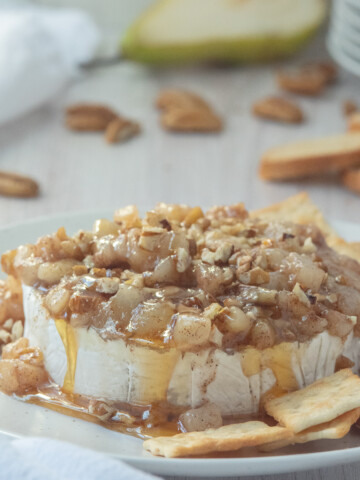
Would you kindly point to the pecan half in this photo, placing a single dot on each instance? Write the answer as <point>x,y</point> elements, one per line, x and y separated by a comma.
<point>120,130</point>
<point>89,117</point>
<point>14,185</point>
<point>349,107</point>
<point>176,98</point>
<point>277,108</point>
<point>187,112</point>
<point>310,79</point>
<point>191,120</point>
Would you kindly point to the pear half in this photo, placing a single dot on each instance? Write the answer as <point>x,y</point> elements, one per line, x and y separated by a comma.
<point>226,30</point>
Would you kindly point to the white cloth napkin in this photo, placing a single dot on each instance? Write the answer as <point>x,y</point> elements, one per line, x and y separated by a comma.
<point>45,459</point>
<point>40,49</point>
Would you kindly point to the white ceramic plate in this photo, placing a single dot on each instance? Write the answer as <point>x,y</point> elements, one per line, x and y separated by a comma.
<point>20,419</point>
<point>341,56</point>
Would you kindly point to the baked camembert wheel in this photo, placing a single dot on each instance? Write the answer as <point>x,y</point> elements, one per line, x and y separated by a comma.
<point>182,320</point>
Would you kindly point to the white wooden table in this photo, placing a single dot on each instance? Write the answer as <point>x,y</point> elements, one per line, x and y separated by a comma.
<point>80,172</point>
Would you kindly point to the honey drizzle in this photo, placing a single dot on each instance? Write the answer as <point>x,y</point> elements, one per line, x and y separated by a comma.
<point>68,338</point>
<point>54,398</point>
<point>279,359</point>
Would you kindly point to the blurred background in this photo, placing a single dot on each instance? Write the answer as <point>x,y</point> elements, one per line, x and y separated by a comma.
<point>55,54</point>
<point>113,17</point>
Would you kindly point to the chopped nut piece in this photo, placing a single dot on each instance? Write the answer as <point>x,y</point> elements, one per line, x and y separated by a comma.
<point>80,269</point>
<point>277,108</point>
<point>21,367</point>
<point>128,216</point>
<point>194,215</point>
<point>101,410</point>
<point>256,276</point>
<point>120,130</point>
<point>8,324</point>
<point>150,238</point>
<point>57,300</point>
<point>299,292</point>
<point>207,256</point>
<point>17,330</point>
<point>83,303</point>
<point>183,260</point>
<point>309,246</point>
<point>61,234</point>
<point>213,310</point>
<point>98,272</point>
<point>5,336</point>
<point>107,285</point>
<point>223,252</point>
<point>103,227</point>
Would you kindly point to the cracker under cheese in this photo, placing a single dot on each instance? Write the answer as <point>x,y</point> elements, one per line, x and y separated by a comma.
<point>227,438</point>
<point>318,403</point>
<point>298,209</point>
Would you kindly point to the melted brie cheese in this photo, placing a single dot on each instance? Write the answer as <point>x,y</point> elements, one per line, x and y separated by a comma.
<point>80,361</point>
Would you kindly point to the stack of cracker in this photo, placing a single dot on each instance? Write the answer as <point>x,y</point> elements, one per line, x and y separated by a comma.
<point>326,409</point>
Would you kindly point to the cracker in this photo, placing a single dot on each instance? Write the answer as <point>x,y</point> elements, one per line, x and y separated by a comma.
<point>334,429</point>
<point>297,209</point>
<point>350,249</point>
<point>309,157</point>
<point>318,403</point>
<point>230,437</point>
<point>351,179</point>
<point>300,209</point>
<point>353,122</point>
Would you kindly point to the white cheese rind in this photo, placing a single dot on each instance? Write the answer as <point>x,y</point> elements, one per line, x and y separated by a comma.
<point>114,370</point>
<point>41,331</point>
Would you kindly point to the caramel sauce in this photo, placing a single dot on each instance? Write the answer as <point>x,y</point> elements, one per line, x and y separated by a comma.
<point>278,358</point>
<point>68,337</point>
<point>146,424</point>
<point>143,425</point>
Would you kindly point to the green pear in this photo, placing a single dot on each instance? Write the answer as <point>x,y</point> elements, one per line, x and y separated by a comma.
<point>225,30</point>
